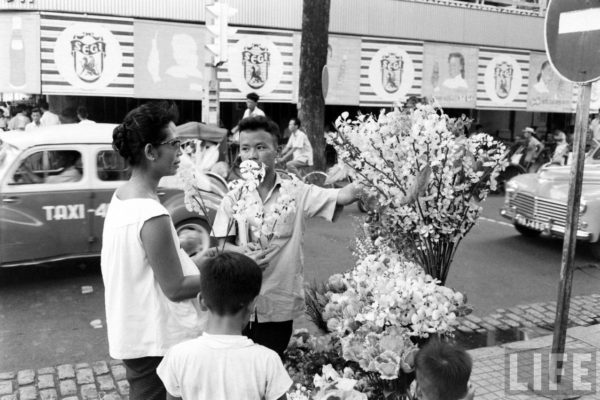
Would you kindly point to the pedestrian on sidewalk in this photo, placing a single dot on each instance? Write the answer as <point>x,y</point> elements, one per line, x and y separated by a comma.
<point>443,372</point>
<point>149,280</point>
<point>281,299</point>
<point>223,364</point>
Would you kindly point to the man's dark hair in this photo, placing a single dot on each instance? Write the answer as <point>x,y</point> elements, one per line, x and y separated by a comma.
<point>229,282</point>
<point>296,122</point>
<point>253,96</point>
<point>35,109</point>
<point>82,112</point>
<point>260,123</point>
<point>446,367</point>
<point>44,105</point>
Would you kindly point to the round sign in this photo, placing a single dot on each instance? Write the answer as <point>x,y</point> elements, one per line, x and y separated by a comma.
<point>255,65</point>
<point>572,34</point>
<point>88,56</point>
<point>391,73</point>
<point>503,79</point>
<point>325,81</point>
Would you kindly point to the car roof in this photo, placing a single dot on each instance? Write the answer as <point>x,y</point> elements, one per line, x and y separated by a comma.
<point>61,134</point>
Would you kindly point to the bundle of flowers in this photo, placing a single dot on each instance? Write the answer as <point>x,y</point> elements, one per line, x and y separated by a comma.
<point>376,315</point>
<point>249,211</point>
<point>329,386</point>
<point>426,175</point>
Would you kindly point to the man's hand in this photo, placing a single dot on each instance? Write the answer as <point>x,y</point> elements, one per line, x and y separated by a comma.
<point>263,257</point>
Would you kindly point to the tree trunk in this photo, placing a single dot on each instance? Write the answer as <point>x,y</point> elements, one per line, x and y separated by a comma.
<point>313,57</point>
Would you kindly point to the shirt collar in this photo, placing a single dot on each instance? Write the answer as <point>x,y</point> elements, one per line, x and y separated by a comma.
<point>275,185</point>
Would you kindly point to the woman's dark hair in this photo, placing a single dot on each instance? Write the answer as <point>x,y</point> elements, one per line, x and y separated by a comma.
<point>142,125</point>
<point>230,281</point>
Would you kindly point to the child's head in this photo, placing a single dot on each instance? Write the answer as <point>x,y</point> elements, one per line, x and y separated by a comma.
<point>443,371</point>
<point>229,283</point>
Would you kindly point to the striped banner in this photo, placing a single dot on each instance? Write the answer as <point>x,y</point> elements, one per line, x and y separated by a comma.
<point>390,70</point>
<point>90,56</point>
<point>260,61</point>
<point>502,78</point>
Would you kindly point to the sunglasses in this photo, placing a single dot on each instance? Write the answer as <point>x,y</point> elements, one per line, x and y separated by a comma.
<point>175,143</point>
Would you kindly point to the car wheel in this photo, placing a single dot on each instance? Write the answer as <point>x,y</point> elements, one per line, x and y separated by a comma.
<point>528,232</point>
<point>194,235</point>
<point>316,178</point>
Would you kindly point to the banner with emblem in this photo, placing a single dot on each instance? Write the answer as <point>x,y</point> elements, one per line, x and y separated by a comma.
<point>20,58</point>
<point>83,55</point>
<point>503,77</point>
<point>260,61</point>
<point>450,74</point>
<point>390,71</point>
<point>547,91</point>
<point>169,60</point>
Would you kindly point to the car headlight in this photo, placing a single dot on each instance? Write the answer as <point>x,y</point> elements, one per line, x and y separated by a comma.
<point>511,189</point>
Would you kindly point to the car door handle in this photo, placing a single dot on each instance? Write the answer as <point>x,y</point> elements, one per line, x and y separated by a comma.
<point>10,199</point>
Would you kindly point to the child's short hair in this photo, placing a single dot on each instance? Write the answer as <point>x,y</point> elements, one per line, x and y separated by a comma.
<point>446,368</point>
<point>229,282</point>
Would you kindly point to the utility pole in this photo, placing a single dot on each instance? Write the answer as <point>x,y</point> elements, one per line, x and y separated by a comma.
<point>219,13</point>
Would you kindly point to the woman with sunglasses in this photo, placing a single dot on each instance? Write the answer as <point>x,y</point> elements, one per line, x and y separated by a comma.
<point>149,280</point>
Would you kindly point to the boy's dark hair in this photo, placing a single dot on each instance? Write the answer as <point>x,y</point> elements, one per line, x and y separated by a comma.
<point>446,367</point>
<point>260,123</point>
<point>229,282</point>
<point>253,96</point>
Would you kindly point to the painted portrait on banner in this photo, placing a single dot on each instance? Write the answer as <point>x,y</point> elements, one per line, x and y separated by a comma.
<point>255,65</point>
<point>391,73</point>
<point>450,74</point>
<point>20,60</point>
<point>88,56</point>
<point>343,63</point>
<point>169,60</point>
<point>547,91</point>
<point>503,79</point>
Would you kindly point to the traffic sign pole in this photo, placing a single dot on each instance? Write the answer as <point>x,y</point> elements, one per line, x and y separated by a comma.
<point>570,240</point>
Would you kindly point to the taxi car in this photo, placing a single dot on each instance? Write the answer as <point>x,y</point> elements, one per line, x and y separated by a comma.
<point>55,187</point>
<point>537,203</point>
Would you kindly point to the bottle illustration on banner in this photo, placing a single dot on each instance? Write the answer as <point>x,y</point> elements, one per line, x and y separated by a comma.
<point>153,63</point>
<point>17,54</point>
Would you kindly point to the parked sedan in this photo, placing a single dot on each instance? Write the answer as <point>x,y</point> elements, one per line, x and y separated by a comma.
<point>537,203</point>
<point>55,187</point>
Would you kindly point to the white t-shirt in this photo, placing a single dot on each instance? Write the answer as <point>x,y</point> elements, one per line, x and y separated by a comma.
<point>141,321</point>
<point>32,126</point>
<point>223,367</point>
<point>302,148</point>
<point>49,119</point>
<point>257,112</point>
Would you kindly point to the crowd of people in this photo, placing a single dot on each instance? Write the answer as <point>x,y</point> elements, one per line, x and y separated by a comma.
<point>22,117</point>
<point>215,326</point>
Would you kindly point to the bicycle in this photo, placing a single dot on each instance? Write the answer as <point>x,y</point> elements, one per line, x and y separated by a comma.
<point>307,175</point>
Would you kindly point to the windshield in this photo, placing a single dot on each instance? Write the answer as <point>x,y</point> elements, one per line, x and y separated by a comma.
<point>8,154</point>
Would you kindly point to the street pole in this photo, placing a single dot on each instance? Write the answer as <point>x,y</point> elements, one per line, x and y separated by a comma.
<point>572,223</point>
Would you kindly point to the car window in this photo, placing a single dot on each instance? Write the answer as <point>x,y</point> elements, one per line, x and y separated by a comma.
<point>51,167</point>
<point>112,167</point>
<point>8,154</point>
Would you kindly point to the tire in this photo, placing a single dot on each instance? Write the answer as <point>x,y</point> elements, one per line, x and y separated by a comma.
<point>595,250</point>
<point>527,232</point>
<point>194,235</point>
<point>316,178</point>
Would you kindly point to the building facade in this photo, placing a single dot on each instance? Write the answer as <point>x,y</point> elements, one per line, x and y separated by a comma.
<point>485,61</point>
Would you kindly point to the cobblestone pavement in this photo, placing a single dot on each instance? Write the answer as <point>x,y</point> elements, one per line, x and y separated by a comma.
<point>491,372</point>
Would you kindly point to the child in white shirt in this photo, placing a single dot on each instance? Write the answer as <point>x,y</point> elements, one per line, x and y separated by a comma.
<point>222,364</point>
